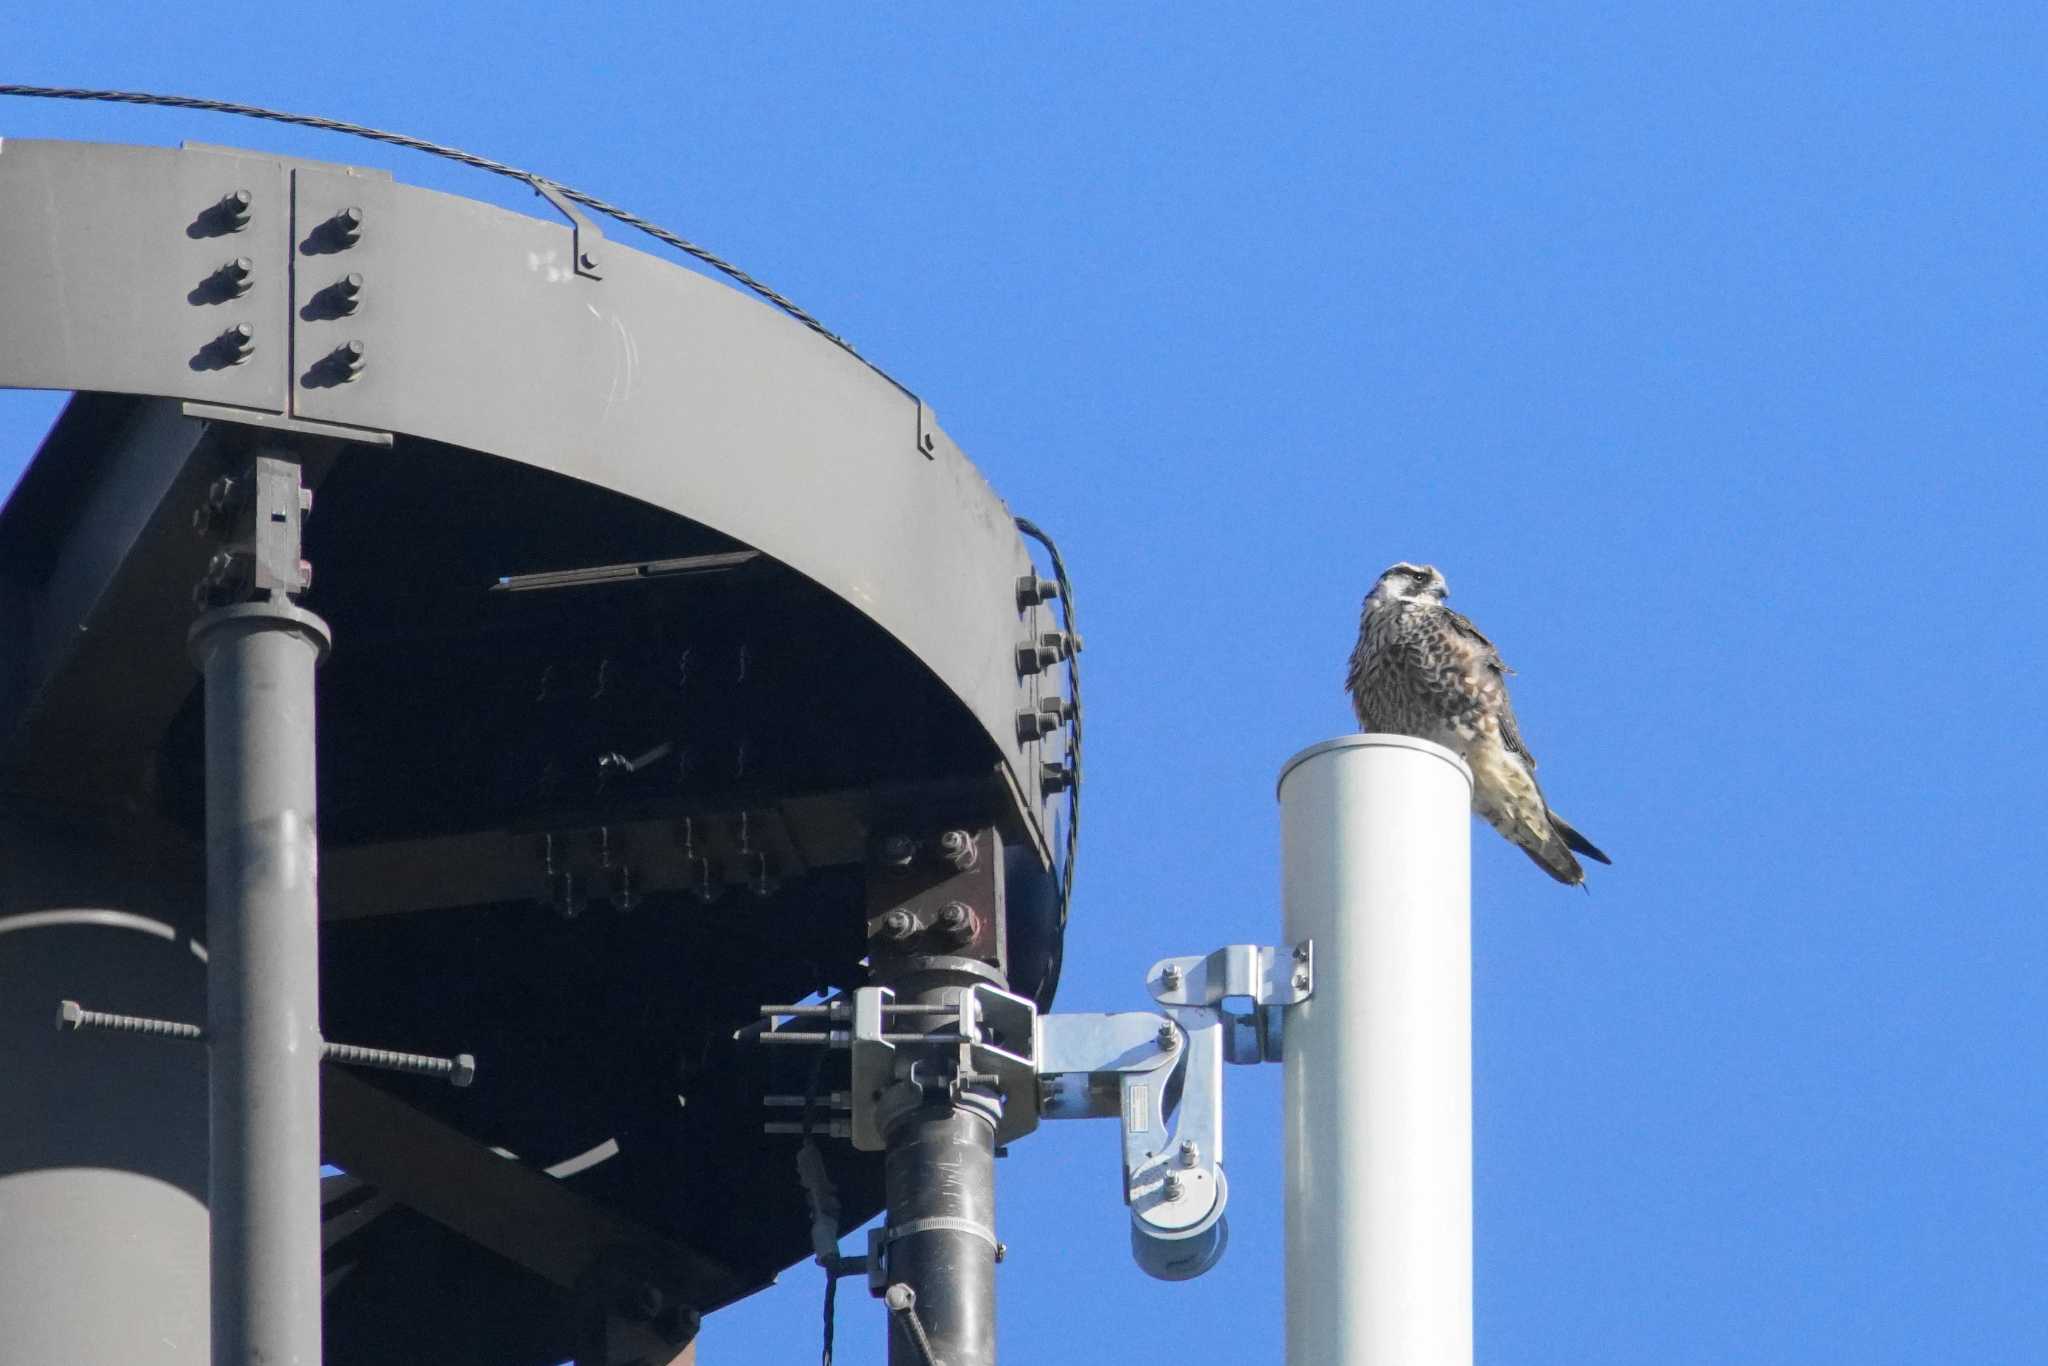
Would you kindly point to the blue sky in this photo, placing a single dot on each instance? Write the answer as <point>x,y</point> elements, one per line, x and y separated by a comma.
<point>1702,348</point>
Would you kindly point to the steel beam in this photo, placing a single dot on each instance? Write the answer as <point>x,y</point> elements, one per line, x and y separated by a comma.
<point>520,1214</point>
<point>477,330</point>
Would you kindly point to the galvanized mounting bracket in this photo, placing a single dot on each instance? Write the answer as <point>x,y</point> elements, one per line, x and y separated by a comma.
<point>991,1041</point>
<point>1161,1077</point>
<point>586,239</point>
<point>1159,1073</point>
<point>927,430</point>
<point>1269,977</point>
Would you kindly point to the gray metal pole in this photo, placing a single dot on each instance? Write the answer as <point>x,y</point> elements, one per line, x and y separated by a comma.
<point>262,1009</point>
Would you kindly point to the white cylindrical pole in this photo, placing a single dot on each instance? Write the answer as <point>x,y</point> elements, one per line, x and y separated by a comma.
<point>1376,869</point>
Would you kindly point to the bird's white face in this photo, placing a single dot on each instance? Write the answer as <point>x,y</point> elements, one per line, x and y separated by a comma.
<point>1407,582</point>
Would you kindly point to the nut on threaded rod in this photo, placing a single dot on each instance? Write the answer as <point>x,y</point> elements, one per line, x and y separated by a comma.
<point>460,1070</point>
<point>902,1302</point>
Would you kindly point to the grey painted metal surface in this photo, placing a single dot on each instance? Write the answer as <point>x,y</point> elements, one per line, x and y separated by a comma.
<point>475,329</point>
<point>127,243</point>
<point>98,667</point>
<point>103,1195</point>
<point>263,989</point>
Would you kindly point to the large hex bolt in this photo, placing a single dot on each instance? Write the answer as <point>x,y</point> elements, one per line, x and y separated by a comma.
<point>896,850</point>
<point>1036,656</point>
<point>957,922</point>
<point>223,496</point>
<point>897,925</point>
<point>347,361</point>
<point>233,209</point>
<point>956,847</point>
<point>1032,590</point>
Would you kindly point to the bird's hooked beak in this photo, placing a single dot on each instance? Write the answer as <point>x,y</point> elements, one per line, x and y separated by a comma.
<point>1419,580</point>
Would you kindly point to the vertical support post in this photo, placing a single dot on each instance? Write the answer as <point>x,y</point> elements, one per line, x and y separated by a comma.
<point>937,926</point>
<point>939,1125</point>
<point>262,1009</point>
<point>940,1178</point>
<point>1376,869</point>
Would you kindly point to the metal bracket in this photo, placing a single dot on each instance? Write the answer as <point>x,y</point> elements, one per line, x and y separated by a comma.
<point>1269,977</point>
<point>1172,1153</point>
<point>927,431</point>
<point>1173,1172</point>
<point>586,239</point>
<point>257,513</point>
<point>1159,1074</point>
<point>994,1036</point>
<point>278,422</point>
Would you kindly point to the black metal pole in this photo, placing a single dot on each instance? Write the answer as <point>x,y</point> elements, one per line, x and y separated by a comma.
<point>940,1179</point>
<point>939,1124</point>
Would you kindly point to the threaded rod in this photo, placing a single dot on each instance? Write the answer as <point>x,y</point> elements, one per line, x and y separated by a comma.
<point>460,1070</point>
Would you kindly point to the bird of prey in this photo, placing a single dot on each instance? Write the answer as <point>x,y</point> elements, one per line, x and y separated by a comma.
<point>1421,669</point>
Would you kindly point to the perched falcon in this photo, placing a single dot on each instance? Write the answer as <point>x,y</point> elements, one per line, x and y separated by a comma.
<point>1421,669</point>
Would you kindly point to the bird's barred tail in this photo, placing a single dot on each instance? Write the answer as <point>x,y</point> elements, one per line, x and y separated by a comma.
<point>1553,853</point>
<point>1555,859</point>
<point>1577,841</point>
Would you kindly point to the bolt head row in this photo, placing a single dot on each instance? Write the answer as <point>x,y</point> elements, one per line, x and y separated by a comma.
<point>956,920</point>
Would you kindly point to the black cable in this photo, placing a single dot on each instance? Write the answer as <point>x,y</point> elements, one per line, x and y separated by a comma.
<point>1068,623</point>
<point>831,1272</point>
<point>631,220</point>
<point>831,1295</point>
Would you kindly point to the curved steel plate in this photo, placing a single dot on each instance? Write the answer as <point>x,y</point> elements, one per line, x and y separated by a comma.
<point>476,330</point>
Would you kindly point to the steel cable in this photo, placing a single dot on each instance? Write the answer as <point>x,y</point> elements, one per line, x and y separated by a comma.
<point>689,248</point>
<point>589,201</point>
<point>1069,623</point>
